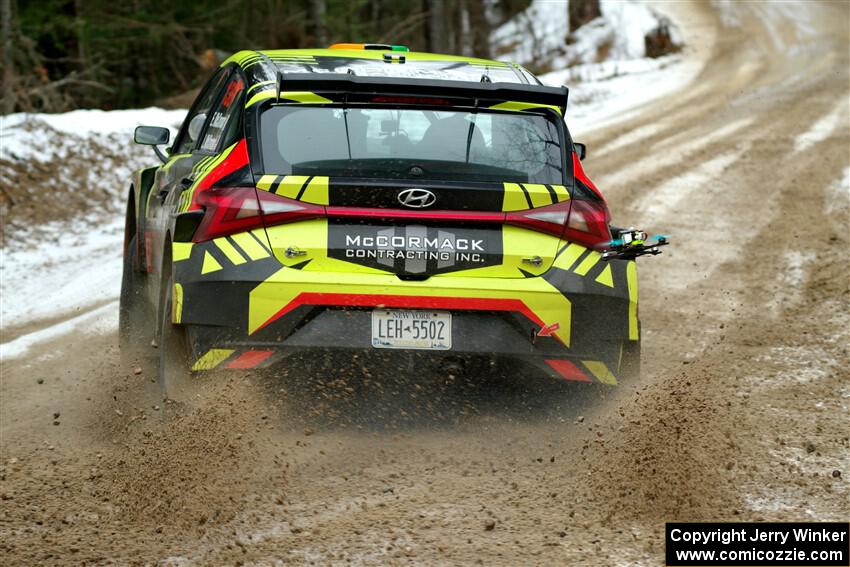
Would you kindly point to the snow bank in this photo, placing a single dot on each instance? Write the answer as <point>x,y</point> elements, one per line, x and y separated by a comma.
<point>33,136</point>
<point>62,256</point>
<point>84,159</point>
<point>603,62</point>
<point>534,34</point>
<point>537,37</point>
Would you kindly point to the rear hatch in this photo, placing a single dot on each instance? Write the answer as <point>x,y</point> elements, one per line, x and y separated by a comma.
<point>417,192</point>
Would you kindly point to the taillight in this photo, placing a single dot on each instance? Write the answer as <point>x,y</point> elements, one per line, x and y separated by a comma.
<point>228,210</point>
<point>280,210</point>
<point>583,222</point>
<point>588,223</point>
<point>550,220</point>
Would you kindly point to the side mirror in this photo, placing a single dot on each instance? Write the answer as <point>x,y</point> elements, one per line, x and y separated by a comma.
<point>151,135</point>
<point>581,150</point>
<point>195,126</point>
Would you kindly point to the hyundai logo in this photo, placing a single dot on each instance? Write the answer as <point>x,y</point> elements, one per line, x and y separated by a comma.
<point>417,198</point>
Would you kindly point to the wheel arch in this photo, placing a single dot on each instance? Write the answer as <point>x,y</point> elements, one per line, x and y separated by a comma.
<point>130,223</point>
<point>134,224</point>
<point>165,271</point>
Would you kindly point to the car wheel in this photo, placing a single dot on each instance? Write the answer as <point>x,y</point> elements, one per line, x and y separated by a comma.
<point>174,372</point>
<point>135,317</point>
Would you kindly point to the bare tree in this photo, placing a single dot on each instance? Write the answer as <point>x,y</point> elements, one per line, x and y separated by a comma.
<point>9,97</point>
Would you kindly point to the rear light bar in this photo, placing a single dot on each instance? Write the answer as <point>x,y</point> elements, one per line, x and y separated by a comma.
<point>403,214</point>
<point>228,210</point>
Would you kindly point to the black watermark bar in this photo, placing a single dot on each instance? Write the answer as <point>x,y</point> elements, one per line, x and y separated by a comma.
<point>804,544</point>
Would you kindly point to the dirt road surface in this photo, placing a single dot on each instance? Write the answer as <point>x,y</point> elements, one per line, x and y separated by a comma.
<point>741,414</point>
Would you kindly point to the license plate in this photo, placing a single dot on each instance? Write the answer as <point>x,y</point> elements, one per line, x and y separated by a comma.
<point>425,330</point>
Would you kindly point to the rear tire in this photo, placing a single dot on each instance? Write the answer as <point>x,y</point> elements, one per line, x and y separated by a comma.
<point>175,376</point>
<point>135,317</point>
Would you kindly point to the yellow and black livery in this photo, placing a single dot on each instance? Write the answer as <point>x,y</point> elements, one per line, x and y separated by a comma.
<point>241,252</point>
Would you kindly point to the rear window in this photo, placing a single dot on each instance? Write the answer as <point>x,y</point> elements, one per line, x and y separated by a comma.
<point>411,144</point>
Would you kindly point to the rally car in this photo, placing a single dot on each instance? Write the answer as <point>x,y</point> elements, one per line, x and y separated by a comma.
<point>366,198</point>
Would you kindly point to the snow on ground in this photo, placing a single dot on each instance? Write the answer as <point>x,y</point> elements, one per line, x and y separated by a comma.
<point>596,103</point>
<point>65,273</point>
<point>71,277</point>
<point>83,160</point>
<point>838,195</point>
<point>837,202</point>
<point>30,136</point>
<point>777,17</point>
<point>99,320</point>
<point>675,192</point>
<point>538,35</point>
<point>605,64</point>
<point>533,34</point>
<point>835,120</point>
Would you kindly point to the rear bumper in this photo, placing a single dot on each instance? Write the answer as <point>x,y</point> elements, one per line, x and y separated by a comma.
<point>571,322</point>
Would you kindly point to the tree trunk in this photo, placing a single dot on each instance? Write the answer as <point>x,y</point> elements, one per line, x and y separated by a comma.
<point>479,28</point>
<point>374,19</point>
<point>463,31</point>
<point>436,26</point>
<point>581,12</point>
<point>79,27</point>
<point>9,98</point>
<point>317,19</point>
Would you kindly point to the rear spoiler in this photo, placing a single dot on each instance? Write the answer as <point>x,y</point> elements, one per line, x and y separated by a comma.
<point>349,87</point>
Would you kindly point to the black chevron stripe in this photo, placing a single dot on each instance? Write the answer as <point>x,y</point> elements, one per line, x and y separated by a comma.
<point>303,188</point>
<point>527,196</point>
<point>275,185</point>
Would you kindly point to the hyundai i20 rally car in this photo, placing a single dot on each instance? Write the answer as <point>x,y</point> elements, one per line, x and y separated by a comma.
<point>368,198</point>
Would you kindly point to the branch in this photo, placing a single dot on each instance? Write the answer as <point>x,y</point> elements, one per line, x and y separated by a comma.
<point>72,78</point>
<point>408,24</point>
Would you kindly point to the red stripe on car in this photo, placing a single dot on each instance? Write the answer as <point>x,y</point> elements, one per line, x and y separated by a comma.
<point>580,175</point>
<point>250,359</point>
<point>238,157</point>
<point>568,370</point>
<point>399,301</point>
